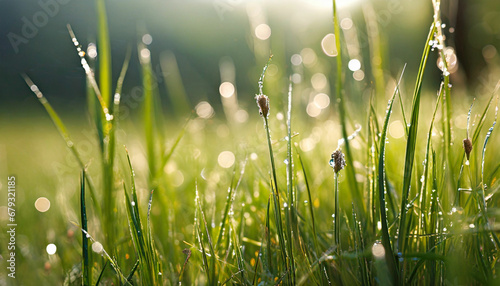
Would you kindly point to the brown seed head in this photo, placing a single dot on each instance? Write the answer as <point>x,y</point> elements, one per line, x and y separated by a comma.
<point>467,147</point>
<point>263,103</point>
<point>337,162</point>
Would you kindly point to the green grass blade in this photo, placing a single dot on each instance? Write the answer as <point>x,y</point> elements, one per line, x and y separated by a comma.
<point>343,120</point>
<point>426,173</point>
<point>108,258</point>
<point>482,119</point>
<point>290,214</point>
<point>311,212</point>
<point>229,203</point>
<point>101,274</point>
<point>274,182</point>
<point>386,241</point>
<point>149,123</point>
<point>199,237</point>
<point>166,156</point>
<point>174,85</point>
<point>104,48</point>
<point>132,272</point>
<point>483,185</point>
<point>141,237</point>
<point>87,272</point>
<point>123,73</point>
<point>64,133</point>
<point>411,143</point>
<point>403,114</point>
<point>268,237</point>
<point>90,74</point>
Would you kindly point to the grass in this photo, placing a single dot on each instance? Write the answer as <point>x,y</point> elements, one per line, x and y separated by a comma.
<point>168,215</point>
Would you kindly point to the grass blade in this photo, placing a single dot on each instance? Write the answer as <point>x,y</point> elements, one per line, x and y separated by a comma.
<point>264,108</point>
<point>104,52</point>
<point>64,133</point>
<point>386,242</point>
<point>143,242</point>
<point>101,274</point>
<point>343,121</point>
<point>290,214</point>
<point>87,272</point>
<point>132,272</point>
<point>411,143</point>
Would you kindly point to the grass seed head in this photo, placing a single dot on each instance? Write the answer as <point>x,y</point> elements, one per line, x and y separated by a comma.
<point>467,147</point>
<point>337,162</point>
<point>263,103</point>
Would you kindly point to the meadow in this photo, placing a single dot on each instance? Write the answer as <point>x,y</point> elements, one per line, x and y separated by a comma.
<point>303,184</point>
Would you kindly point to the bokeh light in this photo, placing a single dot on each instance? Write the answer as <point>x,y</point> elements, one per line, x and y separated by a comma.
<point>378,250</point>
<point>92,50</point>
<point>226,89</point>
<point>328,45</point>
<point>97,247</point>
<point>396,129</point>
<point>308,56</point>
<point>226,159</point>
<point>42,204</point>
<point>204,110</point>
<point>296,59</point>
<point>354,65</point>
<point>51,249</point>
<point>147,39</point>
<point>263,32</point>
<point>319,81</point>
<point>321,100</point>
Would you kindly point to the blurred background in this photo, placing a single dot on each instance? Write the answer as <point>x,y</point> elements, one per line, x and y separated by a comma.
<point>199,36</point>
<point>207,56</point>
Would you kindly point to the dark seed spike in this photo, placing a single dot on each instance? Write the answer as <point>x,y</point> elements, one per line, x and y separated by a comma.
<point>467,147</point>
<point>338,160</point>
<point>263,103</point>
